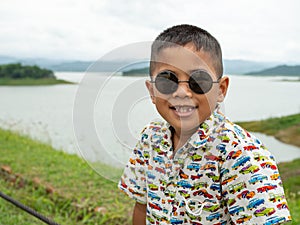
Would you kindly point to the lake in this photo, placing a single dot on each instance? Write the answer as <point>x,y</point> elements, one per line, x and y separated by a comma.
<point>101,118</point>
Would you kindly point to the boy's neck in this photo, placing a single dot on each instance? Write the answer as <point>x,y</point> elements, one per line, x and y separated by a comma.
<point>179,139</point>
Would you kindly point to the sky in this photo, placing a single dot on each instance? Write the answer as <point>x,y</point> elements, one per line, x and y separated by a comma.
<point>257,30</point>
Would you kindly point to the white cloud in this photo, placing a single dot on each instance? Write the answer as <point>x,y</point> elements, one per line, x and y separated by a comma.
<point>257,30</point>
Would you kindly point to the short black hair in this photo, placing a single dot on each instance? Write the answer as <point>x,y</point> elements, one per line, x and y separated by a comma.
<point>185,34</point>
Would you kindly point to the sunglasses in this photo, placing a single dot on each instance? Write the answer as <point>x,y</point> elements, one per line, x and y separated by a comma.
<point>200,82</point>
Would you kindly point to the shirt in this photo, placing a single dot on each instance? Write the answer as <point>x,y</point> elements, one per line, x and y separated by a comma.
<point>222,175</point>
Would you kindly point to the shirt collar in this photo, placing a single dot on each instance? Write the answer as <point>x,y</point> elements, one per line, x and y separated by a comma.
<point>201,136</point>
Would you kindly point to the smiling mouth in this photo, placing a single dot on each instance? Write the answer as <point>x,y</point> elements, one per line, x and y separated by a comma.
<point>183,110</point>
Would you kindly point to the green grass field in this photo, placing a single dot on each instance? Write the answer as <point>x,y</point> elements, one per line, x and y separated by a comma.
<point>78,191</point>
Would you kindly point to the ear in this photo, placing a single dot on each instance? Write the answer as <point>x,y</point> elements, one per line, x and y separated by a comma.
<point>223,86</point>
<point>149,86</point>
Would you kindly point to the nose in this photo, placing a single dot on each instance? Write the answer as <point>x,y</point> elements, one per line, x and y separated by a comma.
<point>183,90</point>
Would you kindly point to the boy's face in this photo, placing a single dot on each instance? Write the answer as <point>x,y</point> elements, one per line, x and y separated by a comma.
<point>184,109</point>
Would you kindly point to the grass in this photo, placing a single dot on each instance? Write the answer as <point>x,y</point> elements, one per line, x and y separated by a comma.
<point>58,185</point>
<point>31,82</point>
<point>286,128</point>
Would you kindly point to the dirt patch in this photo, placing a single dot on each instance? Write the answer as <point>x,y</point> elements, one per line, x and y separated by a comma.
<point>290,135</point>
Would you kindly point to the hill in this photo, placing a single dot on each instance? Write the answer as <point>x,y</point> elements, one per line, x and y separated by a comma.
<point>282,70</point>
<point>231,66</point>
<point>18,74</point>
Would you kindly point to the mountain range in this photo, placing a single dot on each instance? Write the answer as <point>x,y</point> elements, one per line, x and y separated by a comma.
<point>230,66</point>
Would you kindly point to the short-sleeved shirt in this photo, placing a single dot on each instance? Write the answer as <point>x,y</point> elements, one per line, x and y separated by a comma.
<point>222,175</point>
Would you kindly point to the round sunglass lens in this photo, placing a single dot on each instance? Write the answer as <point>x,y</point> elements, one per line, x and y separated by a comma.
<point>166,82</point>
<point>200,82</point>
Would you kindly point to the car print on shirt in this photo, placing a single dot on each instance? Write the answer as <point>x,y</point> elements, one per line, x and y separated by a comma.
<point>249,169</point>
<point>243,219</point>
<point>176,221</point>
<point>264,212</point>
<point>221,148</point>
<point>196,158</point>
<point>258,157</point>
<point>155,206</point>
<point>250,147</point>
<point>228,179</point>
<point>204,193</point>
<point>214,216</point>
<point>159,159</point>
<point>276,197</point>
<point>282,205</point>
<point>184,184</point>
<point>254,203</point>
<point>274,220</point>
<point>153,195</point>
<point>199,185</point>
<point>266,187</point>
<point>213,176</point>
<point>236,187</point>
<point>236,210</point>
<point>153,187</point>
<point>257,178</point>
<point>275,176</point>
<point>240,162</point>
<point>193,166</point>
<point>211,208</point>
<point>268,165</point>
<point>212,157</point>
<point>183,175</point>
<point>246,194</point>
<point>234,154</point>
<point>196,177</point>
<point>209,166</point>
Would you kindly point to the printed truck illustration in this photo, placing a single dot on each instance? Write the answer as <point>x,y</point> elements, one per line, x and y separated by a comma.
<point>159,159</point>
<point>254,203</point>
<point>194,166</point>
<point>274,220</point>
<point>214,216</point>
<point>236,187</point>
<point>257,178</point>
<point>276,197</point>
<point>153,195</point>
<point>184,184</point>
<point>240,162</point>
<point>176,221</point>
<point>236,210</point>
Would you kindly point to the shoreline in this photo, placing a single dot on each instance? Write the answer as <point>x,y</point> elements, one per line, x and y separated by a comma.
<point>286,128</point>
<point>32,82</point>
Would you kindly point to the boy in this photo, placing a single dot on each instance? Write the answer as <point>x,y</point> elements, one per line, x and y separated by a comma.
<point>197,167</point>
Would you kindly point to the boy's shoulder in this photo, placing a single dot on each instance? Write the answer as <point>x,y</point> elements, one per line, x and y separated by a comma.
<point>231,133</point>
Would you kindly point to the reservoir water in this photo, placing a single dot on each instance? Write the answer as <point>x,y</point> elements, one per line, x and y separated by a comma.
<point>107,127</point>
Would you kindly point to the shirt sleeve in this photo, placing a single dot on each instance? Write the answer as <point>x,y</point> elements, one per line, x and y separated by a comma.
<point>252,187</point>
<point>133,180</point>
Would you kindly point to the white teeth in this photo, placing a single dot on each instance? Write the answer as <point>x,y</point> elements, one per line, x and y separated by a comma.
<point>184,109</point>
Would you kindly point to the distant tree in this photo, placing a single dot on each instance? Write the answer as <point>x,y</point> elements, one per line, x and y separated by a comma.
<point>17,71</point>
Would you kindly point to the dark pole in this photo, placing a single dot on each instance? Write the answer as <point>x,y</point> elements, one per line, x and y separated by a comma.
<point>27,209</point>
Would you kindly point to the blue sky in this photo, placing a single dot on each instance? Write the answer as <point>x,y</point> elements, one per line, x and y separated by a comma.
<point>256,30</point>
